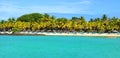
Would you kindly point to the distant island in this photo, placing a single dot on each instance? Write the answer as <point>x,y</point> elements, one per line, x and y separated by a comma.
<point>44,23</point>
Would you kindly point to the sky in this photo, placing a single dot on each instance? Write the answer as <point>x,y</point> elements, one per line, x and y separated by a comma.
<point>60,8</point>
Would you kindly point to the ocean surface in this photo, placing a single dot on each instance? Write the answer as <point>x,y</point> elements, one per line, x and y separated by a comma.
<point>59,47</point>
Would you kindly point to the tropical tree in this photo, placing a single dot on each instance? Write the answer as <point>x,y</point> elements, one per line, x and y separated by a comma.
<point>45,22</point>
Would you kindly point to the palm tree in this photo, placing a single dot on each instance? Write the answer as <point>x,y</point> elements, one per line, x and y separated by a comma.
<point>38,22</point>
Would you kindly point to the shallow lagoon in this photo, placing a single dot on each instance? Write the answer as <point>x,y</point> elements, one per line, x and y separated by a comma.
<point>59,47</point>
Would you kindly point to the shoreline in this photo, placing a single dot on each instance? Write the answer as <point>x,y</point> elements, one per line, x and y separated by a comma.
<point>61,34</point>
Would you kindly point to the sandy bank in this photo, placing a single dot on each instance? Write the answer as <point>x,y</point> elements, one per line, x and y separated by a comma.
<point>62,34</point>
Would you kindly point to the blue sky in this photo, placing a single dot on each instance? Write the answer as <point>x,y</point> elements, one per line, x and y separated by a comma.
<point>60,8</point>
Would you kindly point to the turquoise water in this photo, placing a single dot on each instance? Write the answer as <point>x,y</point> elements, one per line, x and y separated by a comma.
<point>58,47</point>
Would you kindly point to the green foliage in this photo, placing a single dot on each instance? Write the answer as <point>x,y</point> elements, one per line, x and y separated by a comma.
<point>14,30</point>
<point>104,17</point>
<point>45,22</point>
<point>74,18</point>
<point>11,20</point>
<point>2,21</point>
<point>33,17</point>
<point>62,20</point>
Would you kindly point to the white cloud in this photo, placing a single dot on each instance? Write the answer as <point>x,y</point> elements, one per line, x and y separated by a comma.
<point>8,7</point>
<point>66,7</point>
<point>81,7</point>
<point>84,2</point>
<point>55,9</point>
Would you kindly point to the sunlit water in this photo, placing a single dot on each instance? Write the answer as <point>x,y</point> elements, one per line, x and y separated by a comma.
<point>59,47</point>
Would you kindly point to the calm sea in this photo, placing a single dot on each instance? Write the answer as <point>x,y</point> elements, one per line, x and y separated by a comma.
<point>59,47</point>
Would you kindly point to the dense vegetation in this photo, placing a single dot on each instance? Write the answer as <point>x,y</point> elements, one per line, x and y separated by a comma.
<point>46,23</point>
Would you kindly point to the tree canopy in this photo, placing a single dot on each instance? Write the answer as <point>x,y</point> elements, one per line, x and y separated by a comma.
<point>47,23</point>
<point>30,17</point>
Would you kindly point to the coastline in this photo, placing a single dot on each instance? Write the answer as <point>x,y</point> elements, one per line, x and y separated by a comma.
<point>61,34</point>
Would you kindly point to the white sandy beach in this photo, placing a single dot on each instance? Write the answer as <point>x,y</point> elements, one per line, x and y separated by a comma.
<point>64,34</point>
